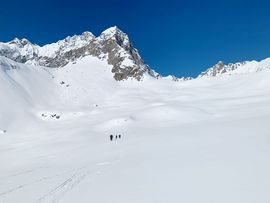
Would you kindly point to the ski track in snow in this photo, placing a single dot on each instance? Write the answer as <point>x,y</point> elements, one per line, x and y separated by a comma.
<point>55,194</point>
<point>60,190</point>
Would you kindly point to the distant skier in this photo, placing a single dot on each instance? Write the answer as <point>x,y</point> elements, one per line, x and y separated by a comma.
<point>111,137</point>
<point>116,137</point>
<point>119,136</point>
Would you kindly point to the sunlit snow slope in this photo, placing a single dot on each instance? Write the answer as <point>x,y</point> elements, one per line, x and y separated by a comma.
<point>205,140</point>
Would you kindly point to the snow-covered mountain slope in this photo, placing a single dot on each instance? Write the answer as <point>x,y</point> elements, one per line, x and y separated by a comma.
<point>236,68</point>
<point>22,88</point>
<point>112,45</point>
<point>204,140</point>
<point>28,89</point>
<point>87,82</point>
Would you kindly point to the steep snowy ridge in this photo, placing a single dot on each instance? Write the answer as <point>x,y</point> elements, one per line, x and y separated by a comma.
<point>18,50</point>
<point>236,68</point>
<point>68,44</point>
<point>112,45</point>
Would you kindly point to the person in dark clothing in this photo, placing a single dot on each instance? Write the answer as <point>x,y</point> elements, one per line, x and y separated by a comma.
<point>111,137</point>
<point>119,136</point>
<point>116,136</point>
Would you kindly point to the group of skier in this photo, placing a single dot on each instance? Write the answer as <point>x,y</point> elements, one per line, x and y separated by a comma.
<point>116,137</point>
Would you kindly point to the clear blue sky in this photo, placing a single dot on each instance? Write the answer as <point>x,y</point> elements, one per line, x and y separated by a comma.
<point>174,37</point>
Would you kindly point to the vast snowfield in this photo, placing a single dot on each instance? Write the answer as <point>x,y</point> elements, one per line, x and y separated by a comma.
<point>201,141</point>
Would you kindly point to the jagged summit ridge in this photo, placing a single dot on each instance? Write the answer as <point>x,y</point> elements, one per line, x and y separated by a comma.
<point>236,68</point>
<point>221,68</point>
<point>113,32</point>
<point>112,45</point>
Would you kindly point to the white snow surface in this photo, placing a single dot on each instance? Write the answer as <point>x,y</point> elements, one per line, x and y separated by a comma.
<point>205,140</point>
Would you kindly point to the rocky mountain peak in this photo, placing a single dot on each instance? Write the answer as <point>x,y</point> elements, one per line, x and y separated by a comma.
<point>111,32</point>
<point>219,64</point>
<point>112,45</point>
<point>20,42</point>
<point>221,68</point>
<point>114,33</point>
<point>88,34</point>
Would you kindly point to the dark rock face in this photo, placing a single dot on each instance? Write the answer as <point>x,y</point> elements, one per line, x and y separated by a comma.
<point>112,45</point>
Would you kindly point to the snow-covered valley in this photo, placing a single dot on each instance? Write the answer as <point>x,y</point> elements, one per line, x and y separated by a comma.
<point>204,140</point>
<point>186,140</point>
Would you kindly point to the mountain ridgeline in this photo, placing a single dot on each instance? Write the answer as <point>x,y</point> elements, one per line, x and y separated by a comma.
<point>244,67</point>
<point>112,45</point>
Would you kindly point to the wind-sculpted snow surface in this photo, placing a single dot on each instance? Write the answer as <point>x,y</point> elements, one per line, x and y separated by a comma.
<point>204,140</point>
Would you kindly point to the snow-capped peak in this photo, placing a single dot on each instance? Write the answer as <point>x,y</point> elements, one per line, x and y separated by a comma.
<point>236,68</point>
<point>112,45</point>
<point>221,68</point>
<point>20,42</point>
<point>66,45</point>
<point>112,31</point>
